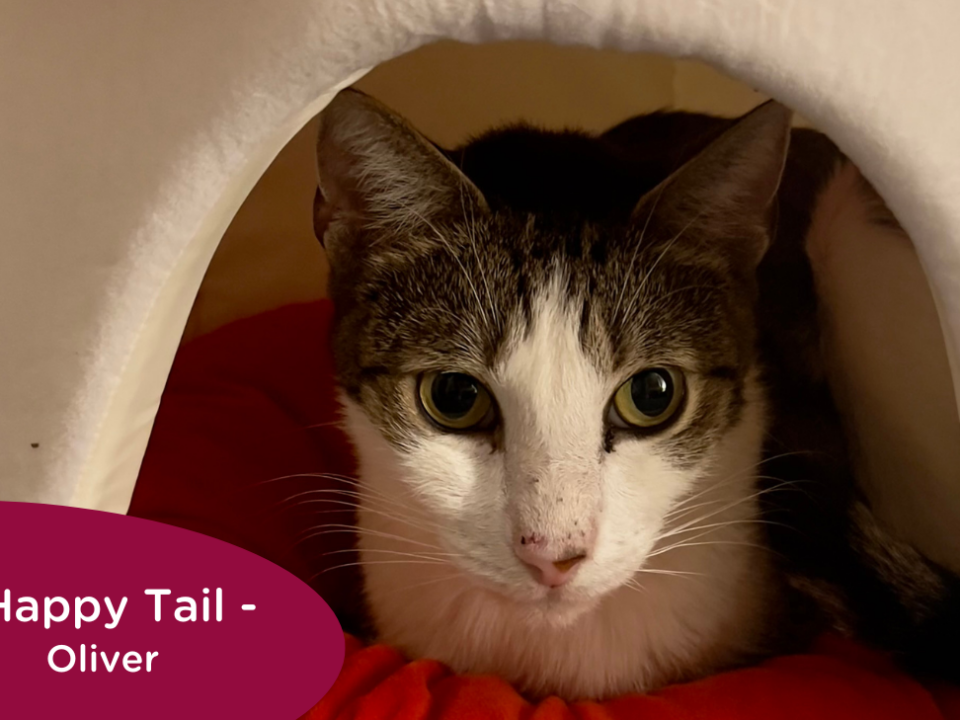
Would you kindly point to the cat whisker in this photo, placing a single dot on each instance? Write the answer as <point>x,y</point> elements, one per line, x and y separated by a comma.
<point>391,515</point>
<point>677,546</point>
<point>683,508</point>
<point>339,528</point>
<point>713,487</point>
<point>295,476</point>
<point>739,474</point>
<point>432,581</point>
<point>362,488</point>
<point>332,423</point>
<point>445,242</point>
<point>364,563</point>
<point>666,249</point>
<point>383,551</point>
<point>675,573</point>
<point>633,584</point>
<point>637,246</point>
<point>388,509</point>
<point>471,236</point>
<point>706,516</point>
<point>728,523</point>
<point>728,506</point>
<point>354,499</point>
<point>361,491</point>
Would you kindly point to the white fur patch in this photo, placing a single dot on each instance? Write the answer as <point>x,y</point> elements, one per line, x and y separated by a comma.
<point>439,518</point>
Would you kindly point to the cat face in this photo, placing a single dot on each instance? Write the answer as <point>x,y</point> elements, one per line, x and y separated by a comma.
<point>541,398</point>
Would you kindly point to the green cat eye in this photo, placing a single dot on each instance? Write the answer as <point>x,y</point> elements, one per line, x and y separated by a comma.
<point>650,397</point>
<point>456,401</point>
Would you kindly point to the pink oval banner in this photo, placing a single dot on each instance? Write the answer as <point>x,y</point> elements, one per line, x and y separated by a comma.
<point>115,617</point>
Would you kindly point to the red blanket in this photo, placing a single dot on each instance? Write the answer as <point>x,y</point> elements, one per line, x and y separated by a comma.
<point>244,432</point>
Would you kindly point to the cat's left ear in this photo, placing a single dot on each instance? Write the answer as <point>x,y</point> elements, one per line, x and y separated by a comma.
<point>723,196</point>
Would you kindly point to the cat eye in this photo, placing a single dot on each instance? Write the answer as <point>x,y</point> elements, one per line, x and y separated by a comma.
<point>456,401</point>
<point>649,398</point>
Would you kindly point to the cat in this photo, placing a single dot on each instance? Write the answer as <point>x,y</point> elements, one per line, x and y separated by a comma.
<point>596,447</point>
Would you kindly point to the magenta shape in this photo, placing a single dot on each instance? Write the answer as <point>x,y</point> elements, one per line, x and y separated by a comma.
<point>271,663</point>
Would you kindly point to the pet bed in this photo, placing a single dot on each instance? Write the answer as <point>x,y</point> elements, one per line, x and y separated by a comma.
<point>244,433</point>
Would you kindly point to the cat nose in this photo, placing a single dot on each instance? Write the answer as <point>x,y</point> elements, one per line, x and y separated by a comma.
<point>547,566</point>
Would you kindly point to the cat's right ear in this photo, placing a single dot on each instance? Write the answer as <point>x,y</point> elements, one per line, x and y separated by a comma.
<point>377,173</point>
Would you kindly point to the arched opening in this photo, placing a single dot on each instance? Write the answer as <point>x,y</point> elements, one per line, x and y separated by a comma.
<point>269,259</point>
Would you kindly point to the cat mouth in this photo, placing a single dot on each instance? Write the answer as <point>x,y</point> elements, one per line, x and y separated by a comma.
<point>554,601</point>
<point>532,596</point>
<point>562,598</point>
<point>561,606</point>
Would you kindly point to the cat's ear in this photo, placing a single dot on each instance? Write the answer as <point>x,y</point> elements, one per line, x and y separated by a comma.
<point>375,171</point>
<point>724,195</point>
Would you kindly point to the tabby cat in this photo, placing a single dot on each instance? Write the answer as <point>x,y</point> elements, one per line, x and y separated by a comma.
<point>597,448</point>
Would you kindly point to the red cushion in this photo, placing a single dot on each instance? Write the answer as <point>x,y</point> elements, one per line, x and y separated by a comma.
<point>244,428</point>
<point>242,437</point>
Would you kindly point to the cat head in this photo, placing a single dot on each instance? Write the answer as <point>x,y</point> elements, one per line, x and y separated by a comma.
<point>547,391</point>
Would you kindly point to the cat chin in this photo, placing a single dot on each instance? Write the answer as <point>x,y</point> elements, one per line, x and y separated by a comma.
<point>553,609</point>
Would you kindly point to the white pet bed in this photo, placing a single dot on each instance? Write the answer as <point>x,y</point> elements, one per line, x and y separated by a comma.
<point>130,133</point>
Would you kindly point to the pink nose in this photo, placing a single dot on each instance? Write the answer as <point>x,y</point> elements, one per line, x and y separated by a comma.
<point>548,566</point>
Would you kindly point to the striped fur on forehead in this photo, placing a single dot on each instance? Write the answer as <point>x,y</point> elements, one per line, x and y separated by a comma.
<point>456,293</point>
<point>466,304</point>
